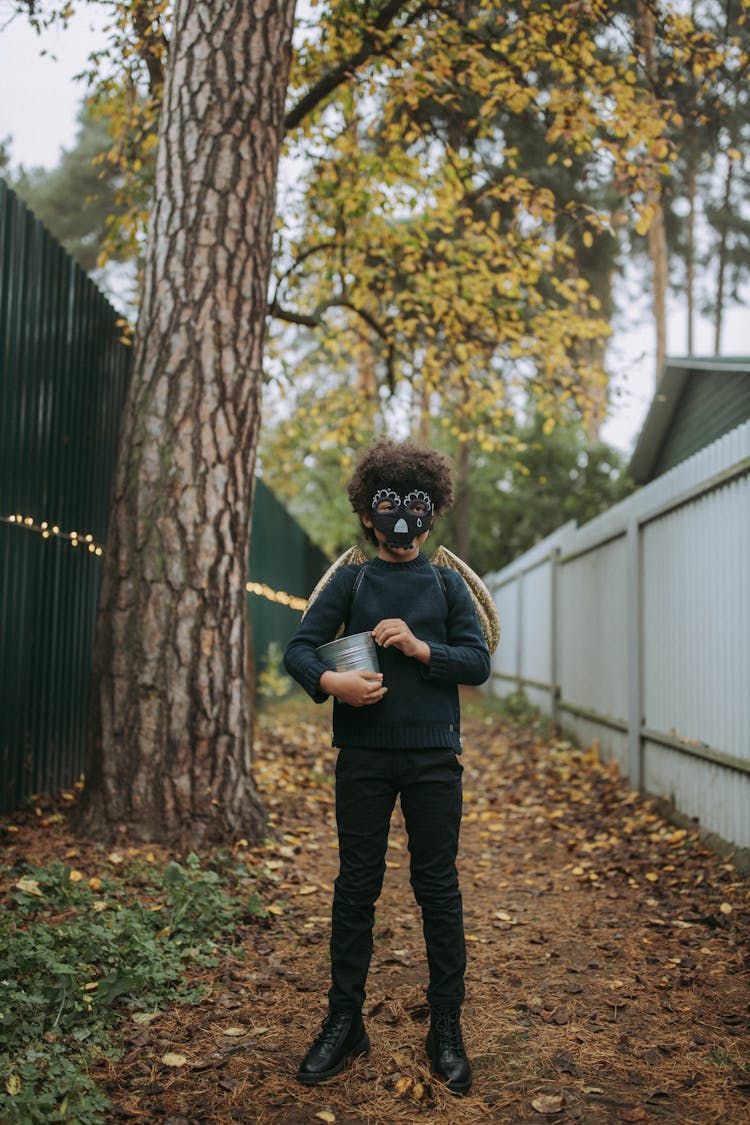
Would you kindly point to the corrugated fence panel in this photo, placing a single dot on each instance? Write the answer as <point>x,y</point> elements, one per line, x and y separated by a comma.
<point>63,380</point>
<point>592,644</point>
<point>649,629</point>
<point>63,376</point>
<point>536,642</point>
<point>696,620</point>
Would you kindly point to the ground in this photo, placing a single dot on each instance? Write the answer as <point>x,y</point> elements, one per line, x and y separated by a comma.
<point>607,971</point>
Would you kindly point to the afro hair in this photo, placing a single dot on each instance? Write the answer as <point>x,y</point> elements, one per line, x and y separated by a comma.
<point>401,466</point>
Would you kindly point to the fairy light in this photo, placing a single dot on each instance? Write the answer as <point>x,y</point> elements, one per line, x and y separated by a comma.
<point>278,596</point>
<point>76,539</point>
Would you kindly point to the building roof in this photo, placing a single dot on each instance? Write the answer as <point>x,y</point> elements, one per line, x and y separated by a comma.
<point>696,401</point>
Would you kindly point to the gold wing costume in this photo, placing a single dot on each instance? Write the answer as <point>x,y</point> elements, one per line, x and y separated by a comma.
<point>481,597</point>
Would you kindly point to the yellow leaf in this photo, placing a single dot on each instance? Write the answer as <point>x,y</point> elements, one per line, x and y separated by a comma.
<point>725,908</point>
<point>588,238</point>
<point>95,883</point>
<point>403,1084</point>
<point>172,1059</point>
<point>75,876</point>
<point>29,886</point>
<point>652,877</point>
<point>115,857</point>
<point>325,1115</point>
<point>275,909</point>
<point>13,1084</point>
<point>308,890</point>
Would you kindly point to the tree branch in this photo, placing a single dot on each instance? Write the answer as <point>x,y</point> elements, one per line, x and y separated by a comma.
<point>372,44</point>
<point>315,319</point>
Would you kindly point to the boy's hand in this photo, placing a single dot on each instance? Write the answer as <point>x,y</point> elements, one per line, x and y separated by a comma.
<point>394,632</point>
<point>358,689</point>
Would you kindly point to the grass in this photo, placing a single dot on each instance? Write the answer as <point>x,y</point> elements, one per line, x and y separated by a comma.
<point>78,956</point>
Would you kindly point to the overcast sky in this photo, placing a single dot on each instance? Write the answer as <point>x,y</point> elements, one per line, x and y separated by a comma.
<point>39,101</point>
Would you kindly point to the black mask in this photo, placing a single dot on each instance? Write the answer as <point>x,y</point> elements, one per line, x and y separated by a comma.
<point>401,519</point>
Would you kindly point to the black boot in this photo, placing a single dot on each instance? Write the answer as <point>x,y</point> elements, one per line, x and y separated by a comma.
<point>342,1038</point>
<point>445,1050</point>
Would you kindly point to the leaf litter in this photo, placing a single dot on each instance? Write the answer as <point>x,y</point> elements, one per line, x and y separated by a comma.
<point>607,955</point>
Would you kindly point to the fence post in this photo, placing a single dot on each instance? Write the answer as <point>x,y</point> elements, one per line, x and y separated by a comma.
<point>554,687</point>
<point>519,633</point>
<point>635,653</point>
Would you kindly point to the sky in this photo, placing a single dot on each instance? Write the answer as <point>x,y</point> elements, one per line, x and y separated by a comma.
<point>39,102</point>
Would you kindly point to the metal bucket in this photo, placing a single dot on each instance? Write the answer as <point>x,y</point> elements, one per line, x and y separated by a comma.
<point>349,654</point>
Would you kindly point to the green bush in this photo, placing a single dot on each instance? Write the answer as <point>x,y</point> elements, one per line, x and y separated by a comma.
<point>75,960</point>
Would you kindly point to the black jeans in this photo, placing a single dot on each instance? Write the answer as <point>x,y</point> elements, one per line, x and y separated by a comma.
<point>367,784</point>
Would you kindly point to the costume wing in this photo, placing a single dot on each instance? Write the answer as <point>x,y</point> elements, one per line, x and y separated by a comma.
<point>353,555</point>
<point>480,595</point>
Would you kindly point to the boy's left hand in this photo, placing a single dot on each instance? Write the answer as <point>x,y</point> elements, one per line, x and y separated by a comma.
<point>393,632</point>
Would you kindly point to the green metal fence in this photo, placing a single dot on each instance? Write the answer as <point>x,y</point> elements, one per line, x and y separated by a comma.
<point>63,379</point>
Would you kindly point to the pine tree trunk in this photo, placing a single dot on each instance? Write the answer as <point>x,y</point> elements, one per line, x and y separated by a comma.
<point>170,735</point>
<point>722,256</point>
<point>657,235</point>
<point>691,185</point>
<point>463,502</point>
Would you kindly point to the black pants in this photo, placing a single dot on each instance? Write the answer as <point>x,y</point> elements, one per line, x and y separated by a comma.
<point>367,784</point>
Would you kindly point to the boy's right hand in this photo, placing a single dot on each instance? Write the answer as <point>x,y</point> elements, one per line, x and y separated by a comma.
<point>357,689</point>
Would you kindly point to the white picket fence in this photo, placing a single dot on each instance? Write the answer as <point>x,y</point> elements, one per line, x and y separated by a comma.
<point>634,631</point>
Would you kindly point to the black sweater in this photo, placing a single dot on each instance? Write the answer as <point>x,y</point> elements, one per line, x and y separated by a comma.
<point>420,710</point>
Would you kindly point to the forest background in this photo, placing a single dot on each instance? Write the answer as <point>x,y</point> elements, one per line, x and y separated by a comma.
<point>368,185</point>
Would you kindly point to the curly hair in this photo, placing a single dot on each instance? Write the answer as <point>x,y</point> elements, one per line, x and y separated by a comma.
<point>400,466</point>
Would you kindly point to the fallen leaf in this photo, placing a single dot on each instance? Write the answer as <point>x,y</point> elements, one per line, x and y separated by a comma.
<point>172,1059</point>
<point>235,1031</point>
<point>403,1084</point>
<point>325,1115</point>
<point>13,1085</point>
<point>75,876</point>
<point>548,1103</point>
<point>638,1113</point>
<point>29,886</point>
<point>308,890</point>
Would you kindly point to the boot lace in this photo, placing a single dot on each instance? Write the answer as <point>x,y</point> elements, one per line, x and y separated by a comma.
<point>448,1031</point>
<point>332,1028</point>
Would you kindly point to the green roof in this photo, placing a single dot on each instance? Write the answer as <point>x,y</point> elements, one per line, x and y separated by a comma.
<point>697,401</point>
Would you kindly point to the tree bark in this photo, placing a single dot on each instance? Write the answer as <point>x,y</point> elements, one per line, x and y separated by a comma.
<point>657,235</point>
<point>170,735</point>
<point>721,266</point>
<point>691,190</point>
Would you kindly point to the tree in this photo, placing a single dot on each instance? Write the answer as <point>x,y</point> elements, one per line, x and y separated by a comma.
<point>79,200</point>
<point>170,730</point>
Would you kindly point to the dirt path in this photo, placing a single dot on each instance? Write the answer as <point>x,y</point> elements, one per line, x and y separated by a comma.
<point>608,960</point>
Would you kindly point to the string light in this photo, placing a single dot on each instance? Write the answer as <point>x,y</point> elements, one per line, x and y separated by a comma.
<point>278,596</point>
<point>28,523</point>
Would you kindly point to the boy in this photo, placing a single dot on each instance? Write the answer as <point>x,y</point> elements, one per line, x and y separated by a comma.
<point>398,735</point>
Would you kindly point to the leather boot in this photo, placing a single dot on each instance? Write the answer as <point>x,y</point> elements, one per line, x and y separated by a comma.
<point>342,1037</point>
<point>446,1052</point>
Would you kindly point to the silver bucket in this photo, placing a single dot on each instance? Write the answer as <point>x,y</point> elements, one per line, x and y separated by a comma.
<point>349,654</point>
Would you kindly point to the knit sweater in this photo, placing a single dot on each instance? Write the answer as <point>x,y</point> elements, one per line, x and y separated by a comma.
<point>420,710</point>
